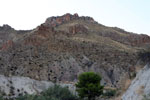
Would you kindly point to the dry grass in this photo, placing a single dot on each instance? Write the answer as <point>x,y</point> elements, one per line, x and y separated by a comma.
<point>102,41</point>
<point>93,37</point>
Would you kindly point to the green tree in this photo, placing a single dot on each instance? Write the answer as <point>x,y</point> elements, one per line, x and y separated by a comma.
<point>89,85</point>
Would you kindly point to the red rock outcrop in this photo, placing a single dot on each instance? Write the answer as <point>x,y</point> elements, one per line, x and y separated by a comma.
<point>45,31</point>
<point>78,29</point>
<point>7,45</point>
<point>54,21</point>
<point>33,41</point>
<point>137,40</point>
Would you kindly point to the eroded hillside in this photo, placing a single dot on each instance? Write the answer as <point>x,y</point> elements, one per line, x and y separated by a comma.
<point>65,46</point>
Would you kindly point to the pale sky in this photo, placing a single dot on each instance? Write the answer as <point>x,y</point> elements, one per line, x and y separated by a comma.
<point>131,15</point>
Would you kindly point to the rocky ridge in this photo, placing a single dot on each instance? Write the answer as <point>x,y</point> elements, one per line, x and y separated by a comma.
<point>55,21</point>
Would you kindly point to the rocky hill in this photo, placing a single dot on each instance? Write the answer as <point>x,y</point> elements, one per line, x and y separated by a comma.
<point>64,46</point>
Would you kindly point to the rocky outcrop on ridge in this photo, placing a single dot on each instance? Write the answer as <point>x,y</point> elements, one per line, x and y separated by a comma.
<point>9,35</point>
<point>55,21</point>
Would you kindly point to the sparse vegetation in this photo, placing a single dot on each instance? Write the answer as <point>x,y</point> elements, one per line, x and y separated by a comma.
<point>53,93</point>
<point>60,93</point>
<point>89,86</point>
<point>146,97</point>
<point>110,93</point>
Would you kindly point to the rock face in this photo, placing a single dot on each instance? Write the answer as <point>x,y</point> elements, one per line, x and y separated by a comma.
<point>8,36</point>
<point>14,86</point>
<point>140,86</point>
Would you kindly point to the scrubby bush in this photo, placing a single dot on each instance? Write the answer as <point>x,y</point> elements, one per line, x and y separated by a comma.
<point>60,93</point>
<point>110,93</point>
<point>27,97</point>
<point>53,93</point>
